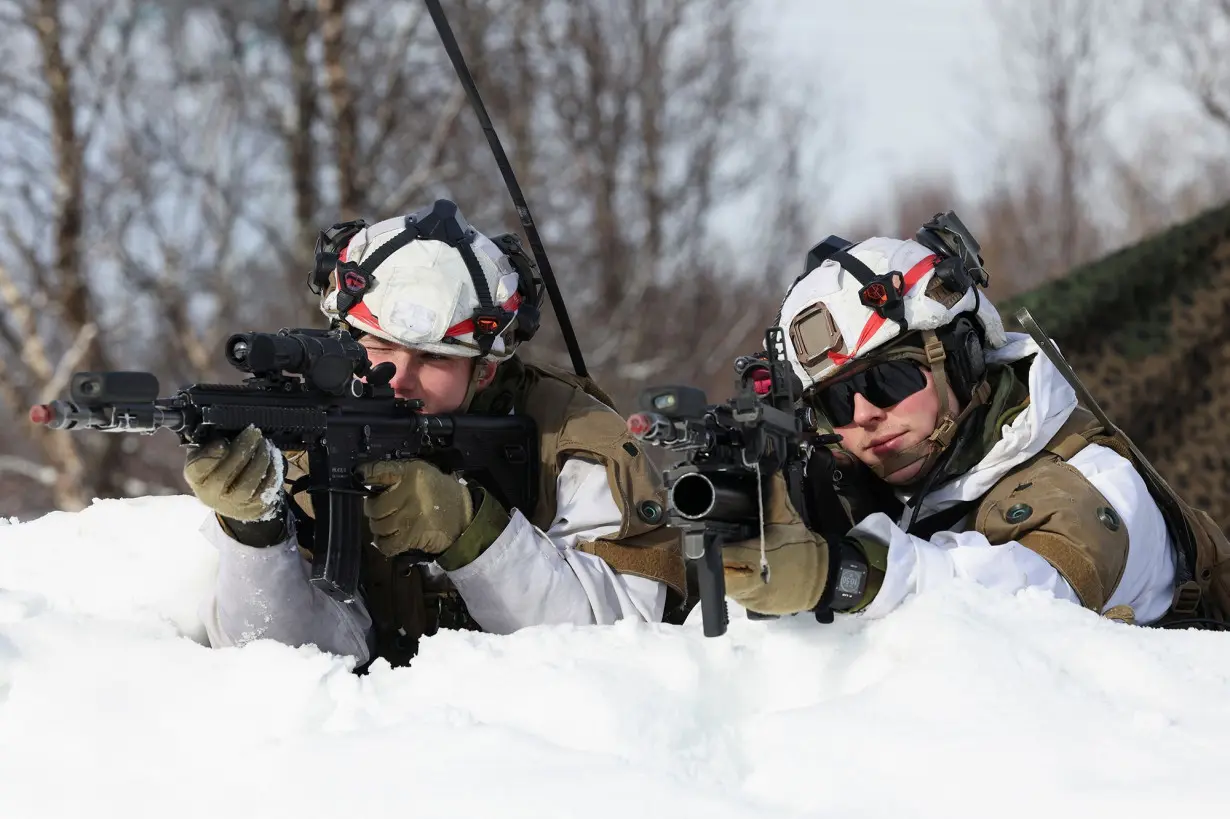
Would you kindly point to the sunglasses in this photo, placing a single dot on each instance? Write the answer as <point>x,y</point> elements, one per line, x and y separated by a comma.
<point>883,384</point>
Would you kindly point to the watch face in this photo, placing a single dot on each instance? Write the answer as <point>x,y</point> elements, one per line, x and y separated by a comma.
<point>848,582</point>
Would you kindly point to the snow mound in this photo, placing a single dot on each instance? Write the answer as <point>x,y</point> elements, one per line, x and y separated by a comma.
<point>962,704</point>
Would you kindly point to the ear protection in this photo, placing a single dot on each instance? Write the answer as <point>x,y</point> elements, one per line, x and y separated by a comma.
<point>964,355</point>
<point>529,285</point>
<point>329,246</point>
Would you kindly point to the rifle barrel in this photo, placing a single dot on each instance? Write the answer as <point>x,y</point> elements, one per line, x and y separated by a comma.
<point>145,417</point>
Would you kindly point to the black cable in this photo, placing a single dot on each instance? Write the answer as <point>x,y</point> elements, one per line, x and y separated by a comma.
<point>501,159</point>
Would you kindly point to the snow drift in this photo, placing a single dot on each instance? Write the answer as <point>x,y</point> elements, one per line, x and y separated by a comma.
<point>964,703</point>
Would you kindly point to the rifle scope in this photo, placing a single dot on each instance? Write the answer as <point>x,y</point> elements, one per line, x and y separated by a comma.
<point>328,359</point>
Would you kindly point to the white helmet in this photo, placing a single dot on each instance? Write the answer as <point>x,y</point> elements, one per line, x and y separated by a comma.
<point>431,282</point>
<point>884,299</point>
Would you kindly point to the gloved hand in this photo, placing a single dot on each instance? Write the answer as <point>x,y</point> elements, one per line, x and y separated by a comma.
<point>798,561</point>
<point>241,481</point>
<point>426,510</point>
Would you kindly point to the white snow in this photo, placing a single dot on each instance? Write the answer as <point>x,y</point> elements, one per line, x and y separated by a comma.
<point>960,704</point>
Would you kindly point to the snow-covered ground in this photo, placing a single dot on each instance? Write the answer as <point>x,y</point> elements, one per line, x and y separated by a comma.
<point>962,704</point>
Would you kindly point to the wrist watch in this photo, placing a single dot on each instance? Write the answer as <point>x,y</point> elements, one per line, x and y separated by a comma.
<point>847,580</point>
<point>850,583</point>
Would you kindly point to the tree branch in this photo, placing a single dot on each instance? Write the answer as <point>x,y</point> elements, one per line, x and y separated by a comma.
<point>68,363</point>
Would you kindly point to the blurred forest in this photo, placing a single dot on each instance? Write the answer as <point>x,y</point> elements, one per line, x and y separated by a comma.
<point>165,168</point>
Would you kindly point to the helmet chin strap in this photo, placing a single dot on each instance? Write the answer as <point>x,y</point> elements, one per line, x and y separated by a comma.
<point>947,421</point>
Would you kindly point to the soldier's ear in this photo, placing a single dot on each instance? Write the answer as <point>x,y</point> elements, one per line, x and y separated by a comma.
<point>484,373</point>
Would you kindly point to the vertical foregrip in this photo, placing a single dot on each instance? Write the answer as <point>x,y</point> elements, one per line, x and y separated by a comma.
<point>711,581</point>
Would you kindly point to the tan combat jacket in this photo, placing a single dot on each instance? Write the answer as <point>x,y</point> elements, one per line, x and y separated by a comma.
<point>574,418</point>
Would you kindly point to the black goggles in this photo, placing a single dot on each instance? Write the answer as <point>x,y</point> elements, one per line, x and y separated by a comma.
<point>883,384</point>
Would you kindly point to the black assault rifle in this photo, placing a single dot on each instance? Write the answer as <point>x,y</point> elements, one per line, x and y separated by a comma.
<point>315,391</point>
<point>731,449</point>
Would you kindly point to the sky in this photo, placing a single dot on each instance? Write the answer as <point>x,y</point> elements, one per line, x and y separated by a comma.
<point>963,703</point>
<point>921,88</point>
<point>888,64</point>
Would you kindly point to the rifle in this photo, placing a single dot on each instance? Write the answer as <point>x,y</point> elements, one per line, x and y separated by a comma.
<point>716,494</point>
<point>315,391</point>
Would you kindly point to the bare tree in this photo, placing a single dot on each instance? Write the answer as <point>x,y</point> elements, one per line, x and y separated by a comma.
<point>914,201</point>
<point>1056,57</point>
<point>1157,187</point>
<point>118,229</point>
<point>1042,212</point>
<point>1177,166</point>
<point>50,323</point>
<point>658,113</point>
<point>168,165</point>
<point>1186,43</point>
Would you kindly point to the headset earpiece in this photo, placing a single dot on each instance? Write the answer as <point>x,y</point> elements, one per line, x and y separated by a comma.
<point>529,285</point>
<point>965,356</point>
<point>329,246</point>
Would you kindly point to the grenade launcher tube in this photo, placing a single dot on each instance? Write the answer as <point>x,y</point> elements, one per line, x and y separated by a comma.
<point>727,496</point>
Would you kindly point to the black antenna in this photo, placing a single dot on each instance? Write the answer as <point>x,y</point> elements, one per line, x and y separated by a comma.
<point>501,159</point>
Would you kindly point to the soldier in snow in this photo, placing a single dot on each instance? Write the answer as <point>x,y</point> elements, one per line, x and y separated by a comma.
<point>593,550</point>
<point>963,454</point>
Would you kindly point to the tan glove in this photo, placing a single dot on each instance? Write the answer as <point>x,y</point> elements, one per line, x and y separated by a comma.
<point>239,479</point>
<point>426,510</point>
<point>798,561</point>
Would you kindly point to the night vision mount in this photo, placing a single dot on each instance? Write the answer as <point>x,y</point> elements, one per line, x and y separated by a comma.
<point>960,266</point>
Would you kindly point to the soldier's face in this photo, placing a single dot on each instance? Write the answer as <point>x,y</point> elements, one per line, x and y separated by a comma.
<point>440,381</point>
<point>877,434</point>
